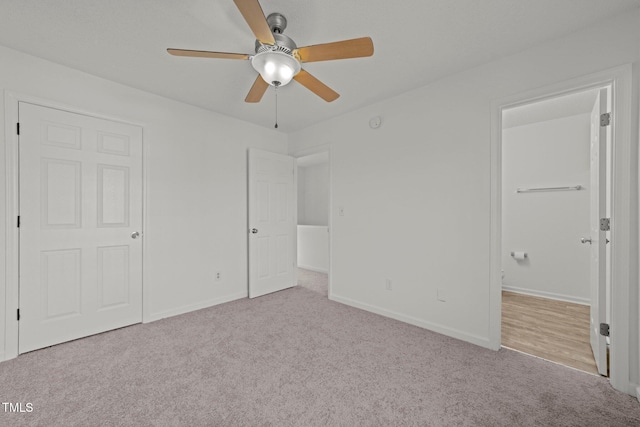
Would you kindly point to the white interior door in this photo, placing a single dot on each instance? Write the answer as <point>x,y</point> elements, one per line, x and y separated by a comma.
<point>80,202</point>
<point>598,237</point>
<point>272,222</point>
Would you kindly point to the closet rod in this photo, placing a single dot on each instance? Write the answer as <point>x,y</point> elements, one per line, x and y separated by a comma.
<point>527,190</point>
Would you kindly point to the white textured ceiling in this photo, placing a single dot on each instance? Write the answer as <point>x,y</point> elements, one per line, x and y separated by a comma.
<point>415,41</point>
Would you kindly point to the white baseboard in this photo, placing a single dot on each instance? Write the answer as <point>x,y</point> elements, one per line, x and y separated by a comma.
<point>2,359</point>
<point>638,393</point>
<point>193,307</point>
<point>444,330</point>
<point>550,295</point>
<point>317,270</point>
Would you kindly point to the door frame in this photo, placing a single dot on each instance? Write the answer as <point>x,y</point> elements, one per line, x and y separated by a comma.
<point>12,164</point>
<point>620,80</point>
<point>308,152</point>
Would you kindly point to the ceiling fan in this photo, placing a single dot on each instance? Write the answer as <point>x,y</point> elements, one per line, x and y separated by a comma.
<point>278,59</point>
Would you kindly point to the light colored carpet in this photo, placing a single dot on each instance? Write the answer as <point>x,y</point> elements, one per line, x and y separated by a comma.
<point>314,281</point>
<point>294,358</point>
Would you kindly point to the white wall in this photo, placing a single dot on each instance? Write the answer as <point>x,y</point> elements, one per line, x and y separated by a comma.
<point>196,188</point>
<point>416,192</point>
<point>313,194</point>
<point>313,247</point>
<point>547,225</point>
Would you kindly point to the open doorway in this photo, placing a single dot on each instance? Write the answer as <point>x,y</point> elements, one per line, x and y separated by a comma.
<point>549,295</point>
<point>313,221</point>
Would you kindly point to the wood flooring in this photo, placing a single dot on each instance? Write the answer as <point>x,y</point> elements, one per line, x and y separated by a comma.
<point>550,329</point>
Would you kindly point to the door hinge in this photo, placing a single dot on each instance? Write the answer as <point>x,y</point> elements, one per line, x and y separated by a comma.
<point>18,128</point>
<point>18,221</point>
<point>605,224</point>
<point>18,314</point>
<point>604,329</point>
<point>605,119</point>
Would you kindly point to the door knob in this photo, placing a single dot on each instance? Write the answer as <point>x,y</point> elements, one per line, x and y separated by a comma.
<point>135,235</point>
<point>585,240</point>
<point>254,230</point>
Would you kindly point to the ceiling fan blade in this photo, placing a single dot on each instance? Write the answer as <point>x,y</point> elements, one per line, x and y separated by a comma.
<point>354,48</point>
<point>207,54</point>
<point>257,90</point>
<point>253,14</point>
<point>316,86</point>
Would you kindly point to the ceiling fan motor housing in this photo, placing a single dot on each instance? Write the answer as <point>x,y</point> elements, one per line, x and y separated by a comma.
<point>283,44</point>
<point>277,23</point>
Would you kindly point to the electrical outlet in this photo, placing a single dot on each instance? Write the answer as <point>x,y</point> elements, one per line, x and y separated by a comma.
<point>388,285</point>
<point>217,276</point>
<point>341,211</point>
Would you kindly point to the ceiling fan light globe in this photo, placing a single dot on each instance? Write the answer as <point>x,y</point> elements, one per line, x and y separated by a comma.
<point>276,68</point>
<point>269,67</point>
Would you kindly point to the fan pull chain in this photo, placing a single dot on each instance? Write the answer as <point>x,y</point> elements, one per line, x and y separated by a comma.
<point>276,90</point>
